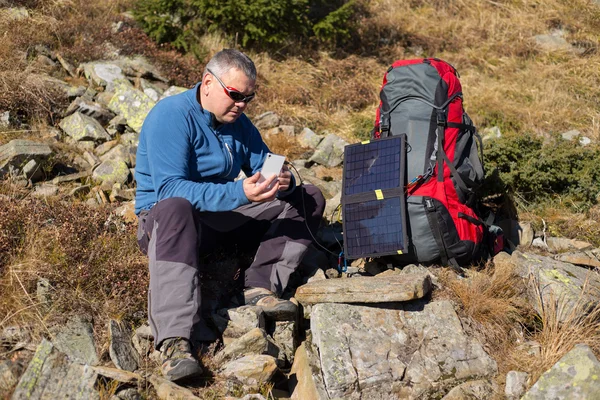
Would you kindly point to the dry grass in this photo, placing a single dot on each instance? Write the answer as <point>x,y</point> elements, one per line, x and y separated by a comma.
<point>557,336</point>
<point>493,297</point>
<point>89,257</point>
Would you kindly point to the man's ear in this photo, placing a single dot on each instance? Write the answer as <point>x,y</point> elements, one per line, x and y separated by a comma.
<point>206,84</point>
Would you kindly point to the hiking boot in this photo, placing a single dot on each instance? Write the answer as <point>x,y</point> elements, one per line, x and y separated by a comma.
<point>178,361</point>
<point>273,307</point>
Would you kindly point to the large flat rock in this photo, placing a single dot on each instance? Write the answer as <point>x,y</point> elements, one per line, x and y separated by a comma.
<point>576,376</point>
<point>50,375</point>
<point>16,153</point>
<point>387,289</point>
<point>416,351</point>
<point>562,286</point>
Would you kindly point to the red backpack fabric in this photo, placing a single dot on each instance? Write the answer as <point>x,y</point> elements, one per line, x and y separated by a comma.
<point>423,100</point>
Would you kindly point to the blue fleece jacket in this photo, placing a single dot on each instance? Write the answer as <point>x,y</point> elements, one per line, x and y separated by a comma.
<point>184,153</point>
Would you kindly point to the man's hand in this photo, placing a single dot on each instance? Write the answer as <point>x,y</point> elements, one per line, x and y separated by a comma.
<point>285,178</point>
<point>261,192</point>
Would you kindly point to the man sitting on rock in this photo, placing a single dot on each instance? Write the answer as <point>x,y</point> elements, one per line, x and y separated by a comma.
<point>192,147</point>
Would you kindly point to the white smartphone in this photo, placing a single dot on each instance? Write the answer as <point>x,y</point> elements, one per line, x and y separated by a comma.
<point>272,166</point>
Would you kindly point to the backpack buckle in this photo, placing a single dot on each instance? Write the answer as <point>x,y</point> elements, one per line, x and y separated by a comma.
<point>441,118</point>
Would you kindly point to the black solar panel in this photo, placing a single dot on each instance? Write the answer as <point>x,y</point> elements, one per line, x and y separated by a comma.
<point>373,200</point>
<point>372,166</point>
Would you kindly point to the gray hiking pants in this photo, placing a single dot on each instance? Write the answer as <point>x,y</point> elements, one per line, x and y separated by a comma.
<point>173,234</point>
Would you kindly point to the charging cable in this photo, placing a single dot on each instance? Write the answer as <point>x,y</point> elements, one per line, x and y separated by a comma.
<point>305,216</point>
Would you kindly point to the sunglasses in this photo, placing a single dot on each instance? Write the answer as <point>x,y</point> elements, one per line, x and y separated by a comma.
<point>233,93</point>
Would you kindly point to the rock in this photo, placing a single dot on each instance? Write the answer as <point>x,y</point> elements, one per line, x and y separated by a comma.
<point>331,212</point>
<point>5,119</point>
<point>81,127</point>
<point>329,188</point>
<point>121,350</point>
<point>415,351</point>
<point>403,287</point>
<point>490,133</point>
<point>167,390</point>
<point>132,104</point>
<point>556,282</point>
<point>539,243</point>
<point>120,153</point>
<point>33,171</point>
<point>252,370</point>
<point>319,275</point>
<point>173,90</point>
<point>476,390</point>
<point>558,244</point>
<point>555,41</point>
<point>516,384</point>
<point>129,394</point>
<point>308,138</point>
<point>131,139</point>
<point>139,66</point>
<point>14,14</point>
<point>330,151</point>
<point>254,342</point>
<point>105,147</point>
<point>111,172</point>
<point>45,190</point>
<point>91,159</point>
<point>10,371</point>
<point>44,292</point>
<point>236,322</point>
<point>285,338</point>
<point>50,375</point>
<point>145,332</point>
<point>91,109</point>
<point>575,376</point>
<point>288,130</point>
<point>76,340</point>
<point>13,335</point>
<point>119,194</point>
<point>86,145</point>
<point>579,258</point>
<point>18,152</point>
<point>71,177</point>
<point>374,268</point>
<point>118,375</point>
<point>266,120</point>
<point>519,233</point>
<point>104,74</point>
<point>306,380</point>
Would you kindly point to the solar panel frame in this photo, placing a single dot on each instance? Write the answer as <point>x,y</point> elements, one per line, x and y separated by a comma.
<point>373,185</point>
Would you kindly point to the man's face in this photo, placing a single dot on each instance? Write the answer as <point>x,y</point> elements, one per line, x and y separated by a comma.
<point>216,99</point>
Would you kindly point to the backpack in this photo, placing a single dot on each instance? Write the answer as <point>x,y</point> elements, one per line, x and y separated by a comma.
<point>423,100</point>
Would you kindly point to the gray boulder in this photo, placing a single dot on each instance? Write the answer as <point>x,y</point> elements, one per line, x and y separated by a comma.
<point>516,384</point>
<point>132,104</point>
<point>121,350</point>
<point>104,74</point>
<point>415,351</point>
<point>17,153</point>
<point>76,340</point>
<point>251,371</point>
<point>254,342</point>
<point>81,127</point>
<point>560,285</point>
<point>573,377</point>
<point>111,172</point>
<point>266,120</point>
<point>401,287</point>
<point>307,138</point>
<point>50,375</point>
<point>171,91</point>
<point>91,109</point>
<point>330,151</point>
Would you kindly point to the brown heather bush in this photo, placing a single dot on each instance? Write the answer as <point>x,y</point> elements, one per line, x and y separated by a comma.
<point>89,256</point>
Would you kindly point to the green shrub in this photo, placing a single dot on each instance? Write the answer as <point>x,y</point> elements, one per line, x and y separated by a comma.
<point>260,24</point>
<point>539,170</point>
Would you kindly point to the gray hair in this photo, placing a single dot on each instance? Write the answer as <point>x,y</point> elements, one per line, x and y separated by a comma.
<point>226,59</point>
